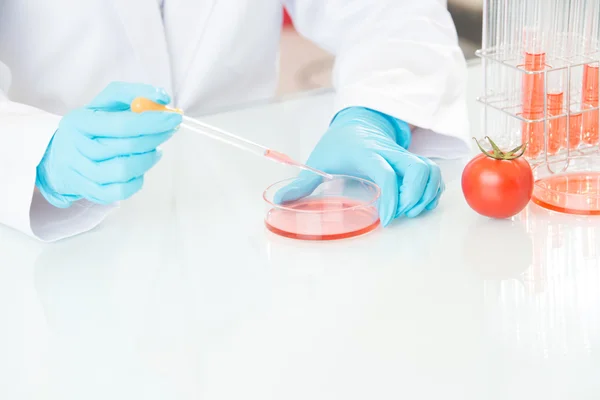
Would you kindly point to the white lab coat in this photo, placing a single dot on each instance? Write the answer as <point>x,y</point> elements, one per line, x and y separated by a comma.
<point>400,57</point>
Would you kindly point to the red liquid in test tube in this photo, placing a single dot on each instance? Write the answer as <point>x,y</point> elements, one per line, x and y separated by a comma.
<point>590,100</point>
<point>533,104</point>
<point>557,128</point>
<point>575,129</point>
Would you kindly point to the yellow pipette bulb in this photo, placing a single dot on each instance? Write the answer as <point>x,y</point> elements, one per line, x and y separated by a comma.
<point>141,104</point>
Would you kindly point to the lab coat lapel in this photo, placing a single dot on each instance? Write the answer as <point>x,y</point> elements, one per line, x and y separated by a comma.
<point>198,16</point>
<point>142,21</point>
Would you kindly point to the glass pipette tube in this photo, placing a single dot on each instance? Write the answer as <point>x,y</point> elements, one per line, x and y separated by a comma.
<point>140,104</point>
<point>591,72</point>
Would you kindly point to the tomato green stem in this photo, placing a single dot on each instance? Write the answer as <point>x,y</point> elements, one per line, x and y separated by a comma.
<point>498,154</point>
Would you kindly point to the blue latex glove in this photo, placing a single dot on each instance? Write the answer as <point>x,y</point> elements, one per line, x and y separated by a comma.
<point>367,144</point>
<point>102,151</point>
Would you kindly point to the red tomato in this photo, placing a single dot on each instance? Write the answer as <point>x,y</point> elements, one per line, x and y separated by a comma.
<point>497,187</point>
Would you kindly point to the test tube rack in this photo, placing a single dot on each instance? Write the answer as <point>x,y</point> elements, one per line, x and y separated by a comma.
<point>565,123</point>
<point>540,61</point>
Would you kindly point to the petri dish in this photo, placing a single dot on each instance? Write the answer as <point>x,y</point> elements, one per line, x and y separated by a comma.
<point>575,190</point>
<point>339,208</point>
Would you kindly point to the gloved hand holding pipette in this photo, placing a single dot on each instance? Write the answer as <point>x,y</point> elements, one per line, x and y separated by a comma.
<point>371,145</point>
<point>102,151</point>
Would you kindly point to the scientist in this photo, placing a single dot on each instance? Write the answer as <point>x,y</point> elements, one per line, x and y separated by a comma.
<point>69,69</point>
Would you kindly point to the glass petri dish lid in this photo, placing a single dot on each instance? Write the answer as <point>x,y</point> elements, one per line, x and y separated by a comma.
<point>574,190</point>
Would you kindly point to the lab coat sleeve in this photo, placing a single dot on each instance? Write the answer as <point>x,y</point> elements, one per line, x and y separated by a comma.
<point>400,57</point>
<point>25,132</point>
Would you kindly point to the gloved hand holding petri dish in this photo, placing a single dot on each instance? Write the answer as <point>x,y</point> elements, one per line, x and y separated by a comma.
<point>375,180</point>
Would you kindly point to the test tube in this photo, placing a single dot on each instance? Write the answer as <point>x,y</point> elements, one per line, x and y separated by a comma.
<point>508,16</point>
<point>535,41</point>
<point>497,46</point>
<point>574,52</point>
<point>591,73</point>
<point>555,101</point>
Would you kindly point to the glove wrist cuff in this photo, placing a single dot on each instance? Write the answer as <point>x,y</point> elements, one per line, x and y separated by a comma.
<point>50,195</point>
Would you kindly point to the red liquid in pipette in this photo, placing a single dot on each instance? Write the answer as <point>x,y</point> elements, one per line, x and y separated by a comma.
<point>280,157</point>
<point>287,160</point>
<point>533,104</point>
<point>328,219</point>
<point>589,99</point>
<point>557,128</point>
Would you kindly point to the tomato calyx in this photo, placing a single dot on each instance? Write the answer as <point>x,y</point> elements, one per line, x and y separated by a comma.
<point>498,154</point>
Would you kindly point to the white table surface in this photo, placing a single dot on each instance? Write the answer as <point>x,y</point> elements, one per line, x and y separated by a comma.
<point>182,294</point>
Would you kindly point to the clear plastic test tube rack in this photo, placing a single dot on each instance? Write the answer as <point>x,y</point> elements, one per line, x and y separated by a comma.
<point>540,63</point>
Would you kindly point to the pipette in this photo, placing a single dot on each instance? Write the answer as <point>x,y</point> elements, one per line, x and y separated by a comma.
<point>141,104</point>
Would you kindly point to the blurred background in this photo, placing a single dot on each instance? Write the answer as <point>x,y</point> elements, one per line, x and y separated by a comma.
<point>304,66</point>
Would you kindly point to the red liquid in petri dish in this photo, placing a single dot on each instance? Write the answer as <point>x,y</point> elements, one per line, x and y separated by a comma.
<point>322,219</point>
<point>533,104</point>
<point>589,99</point>
<point>557,128</point>
<point>576,193</point>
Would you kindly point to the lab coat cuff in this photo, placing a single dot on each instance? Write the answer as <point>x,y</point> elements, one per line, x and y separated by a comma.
<point>443,134</point>
<point>28,132</point>
<point>50,224</point>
